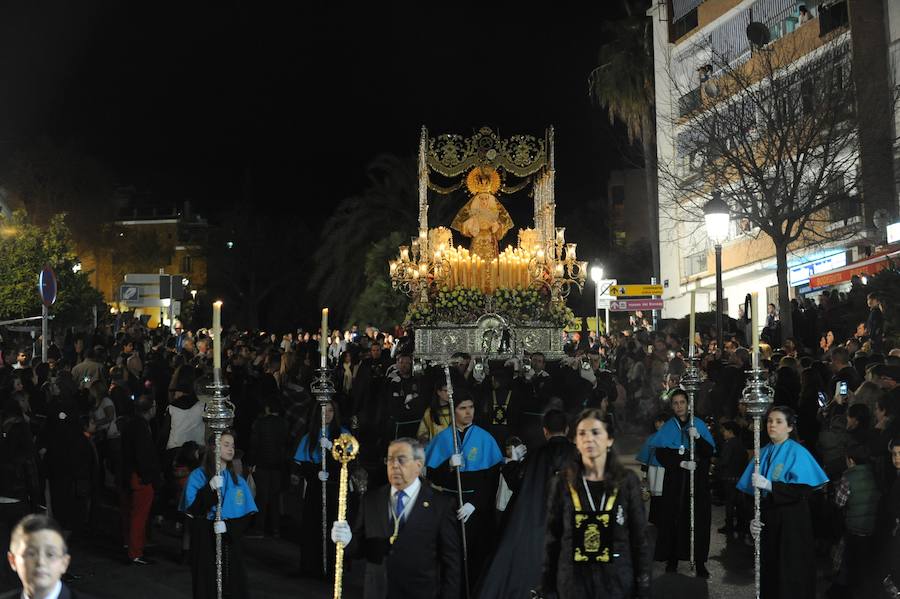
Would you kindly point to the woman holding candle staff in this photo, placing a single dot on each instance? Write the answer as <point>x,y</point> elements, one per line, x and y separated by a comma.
<point>671,448</point>
<point>788,475</point>
<point>309,458</point>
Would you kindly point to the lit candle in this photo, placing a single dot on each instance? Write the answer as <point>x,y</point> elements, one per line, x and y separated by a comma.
<point>560,234</point>
<point>217,335</point>
<point>570,251</point>
<point>404,253</point>
<point>393,267</point>
<point>693,327</point>
<point>323,340</point>
<point>754,301</point>
<point>558,271</point>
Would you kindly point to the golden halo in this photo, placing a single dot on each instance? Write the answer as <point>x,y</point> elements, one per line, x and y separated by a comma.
<point>483,179</point>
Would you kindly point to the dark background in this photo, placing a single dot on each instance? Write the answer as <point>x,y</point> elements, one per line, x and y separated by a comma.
<point>285,105</point>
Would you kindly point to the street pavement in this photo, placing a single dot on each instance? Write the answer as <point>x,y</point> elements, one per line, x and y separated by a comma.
<point>273,565</point>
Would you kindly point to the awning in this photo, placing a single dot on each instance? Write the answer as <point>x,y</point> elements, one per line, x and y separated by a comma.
<point>868,266</point>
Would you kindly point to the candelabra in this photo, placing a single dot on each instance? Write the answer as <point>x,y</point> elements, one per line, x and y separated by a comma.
<point>757,397</point>
<point>218,413</point>
<point>558,269</point>
<point>323,391</point>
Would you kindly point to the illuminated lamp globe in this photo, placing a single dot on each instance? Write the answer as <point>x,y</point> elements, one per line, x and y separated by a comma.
<point>717,216</point>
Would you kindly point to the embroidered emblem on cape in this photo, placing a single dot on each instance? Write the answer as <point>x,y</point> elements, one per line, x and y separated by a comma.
<point>239,497</point>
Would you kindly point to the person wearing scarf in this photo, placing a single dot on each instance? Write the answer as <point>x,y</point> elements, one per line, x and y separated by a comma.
<point>200,502</point>
<point>788,475</point>
<point>671,447</point>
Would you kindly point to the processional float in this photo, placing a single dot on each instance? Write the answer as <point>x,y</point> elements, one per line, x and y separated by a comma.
<point>489,302</point>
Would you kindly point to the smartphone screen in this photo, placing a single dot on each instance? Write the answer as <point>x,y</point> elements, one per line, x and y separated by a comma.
<point>821,399</point>
<point>842,387</point>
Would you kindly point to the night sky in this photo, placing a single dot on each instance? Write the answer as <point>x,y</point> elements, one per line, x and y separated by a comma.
<point>185,100</point>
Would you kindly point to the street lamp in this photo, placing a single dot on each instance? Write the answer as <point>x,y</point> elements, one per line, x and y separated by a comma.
<point>597,278</point>
<point>716,214</point>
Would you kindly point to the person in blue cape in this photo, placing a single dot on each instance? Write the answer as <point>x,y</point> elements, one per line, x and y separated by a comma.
<point>479,459</point>
<point>671,447</point>
<point>200,502</point>
<point>653,470</point>
<point>309,459</point>
<point>788,475</point>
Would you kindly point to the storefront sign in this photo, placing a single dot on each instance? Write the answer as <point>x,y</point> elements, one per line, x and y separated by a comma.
<point>799,275</point>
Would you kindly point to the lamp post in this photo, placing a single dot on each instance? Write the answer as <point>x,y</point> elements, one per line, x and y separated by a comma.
<point>716,214</point>
<point>597,278</point>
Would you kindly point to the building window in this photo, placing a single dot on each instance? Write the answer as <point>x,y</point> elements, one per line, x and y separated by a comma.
<point>695,264</point>
<point>620,238</point>
<point>683,25</point>
<point>187,265</point>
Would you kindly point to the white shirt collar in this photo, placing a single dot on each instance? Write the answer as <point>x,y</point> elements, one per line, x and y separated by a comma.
<point>54,594</point>
<point>411,491</point>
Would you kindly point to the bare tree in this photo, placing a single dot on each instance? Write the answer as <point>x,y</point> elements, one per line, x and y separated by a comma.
<point>776,133</point>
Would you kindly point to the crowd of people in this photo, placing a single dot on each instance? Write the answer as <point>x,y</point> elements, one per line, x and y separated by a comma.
<point>526,493</point>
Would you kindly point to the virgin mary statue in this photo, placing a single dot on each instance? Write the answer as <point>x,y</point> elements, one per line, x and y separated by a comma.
<point>483,218</point>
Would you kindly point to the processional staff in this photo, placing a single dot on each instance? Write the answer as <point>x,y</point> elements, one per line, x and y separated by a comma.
<point>322,389</point>
<point>459,489</point>
<point>757,397</point>
<point>691,384</point>
<point>218,413</point>
<point>345,449</point>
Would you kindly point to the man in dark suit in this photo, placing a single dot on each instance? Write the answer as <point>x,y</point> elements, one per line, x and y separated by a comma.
<point>407,532</point>
<point>38,554</point>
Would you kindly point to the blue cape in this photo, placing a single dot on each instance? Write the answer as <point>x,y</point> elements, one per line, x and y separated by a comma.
<point>479,449</point>
<point>672,436</point>
<point>788,462</point>
<point>237,499</point>
<point>647,454</point>
<point>303,454</point>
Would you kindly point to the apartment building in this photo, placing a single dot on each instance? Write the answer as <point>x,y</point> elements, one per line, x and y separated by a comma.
<point>688,34</point>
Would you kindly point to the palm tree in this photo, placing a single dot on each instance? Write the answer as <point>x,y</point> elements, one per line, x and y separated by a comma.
<point>389,204</point>
<point>623,83</point>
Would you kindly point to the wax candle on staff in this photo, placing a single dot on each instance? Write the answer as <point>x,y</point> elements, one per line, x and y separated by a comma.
<point>754,300</point>
<point>217,334</point>
<point>693,328</point>
<point>323,340</point>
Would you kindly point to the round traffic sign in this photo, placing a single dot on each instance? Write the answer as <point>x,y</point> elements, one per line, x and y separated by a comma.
<point>47,285</point>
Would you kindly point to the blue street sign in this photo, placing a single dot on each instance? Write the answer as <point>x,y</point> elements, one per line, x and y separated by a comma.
<point>47,286</point>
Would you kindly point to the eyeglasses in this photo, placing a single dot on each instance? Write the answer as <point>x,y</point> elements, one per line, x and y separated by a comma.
<point>51,555</point>
<point>403,460</point>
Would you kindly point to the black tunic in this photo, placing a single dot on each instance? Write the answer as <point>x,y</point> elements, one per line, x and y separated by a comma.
<point>787,547</point>
<point>515,568</point>
<point>626,576</point>
<point>673,519</point>
<point>203,551</point>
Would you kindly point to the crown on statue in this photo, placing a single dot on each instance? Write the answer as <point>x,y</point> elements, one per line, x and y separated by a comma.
<point>483,179</point>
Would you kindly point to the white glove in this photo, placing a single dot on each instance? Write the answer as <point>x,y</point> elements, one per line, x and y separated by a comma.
<point>219,527</point>
<point>588,375</point>
<point>478,373</point>
<point>215,482</point>
<point>693,433</point>
<point>761,482</point>
<point>323,475</point>
<point>756,527</point>
<point>456,460</point>
<point>340,532</point>
<point>529,374</point>
<point>688,465</point>
<point>464,512</point>
<point>326,443</point>
<point>518,453</point>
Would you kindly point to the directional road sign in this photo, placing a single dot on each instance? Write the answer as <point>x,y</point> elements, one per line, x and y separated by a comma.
<point>634,290</point>
<point>632,305</point>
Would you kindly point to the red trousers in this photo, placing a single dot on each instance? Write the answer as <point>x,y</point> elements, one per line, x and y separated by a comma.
<point>135,508</point>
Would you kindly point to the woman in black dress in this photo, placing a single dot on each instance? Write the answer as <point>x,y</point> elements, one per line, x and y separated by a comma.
<point>595,542</point>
